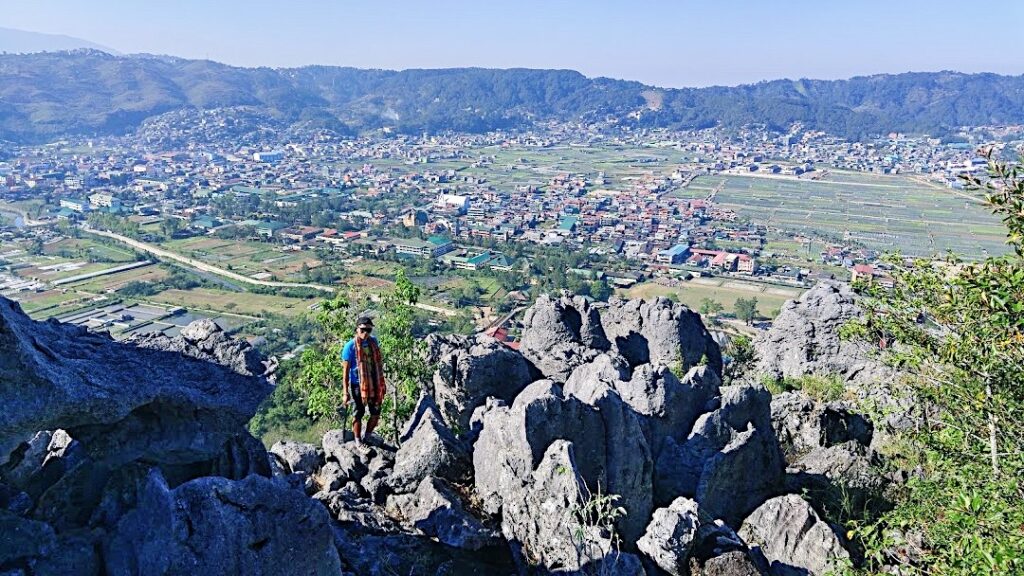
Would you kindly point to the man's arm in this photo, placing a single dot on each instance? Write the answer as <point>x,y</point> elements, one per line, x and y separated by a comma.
<point>344,381</point>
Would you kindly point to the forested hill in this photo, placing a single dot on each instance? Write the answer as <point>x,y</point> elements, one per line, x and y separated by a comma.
<point>48,95</point>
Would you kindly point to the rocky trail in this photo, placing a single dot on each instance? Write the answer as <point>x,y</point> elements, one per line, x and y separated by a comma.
<point>607,445</point>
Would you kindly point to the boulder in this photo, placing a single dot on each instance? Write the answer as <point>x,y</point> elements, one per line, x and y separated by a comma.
<point>122,402</point>
<point>437,512</point>
<point>249,526</point>
<point>670,535</point>
<point>560,334</point>
<point>804,339</point>
<point>471,369</point>
<point>431,450</point>
<point>682,466</point>
<point>791,535</point>
<point>735,563</point>
<point>608,367</point>
<point>659,332</point>
<point>803,424</point>
<point>609,446</point>
<point>747,471</point>
<point>297,456</point>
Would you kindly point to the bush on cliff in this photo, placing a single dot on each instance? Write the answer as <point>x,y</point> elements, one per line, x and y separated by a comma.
<point>958,328</point>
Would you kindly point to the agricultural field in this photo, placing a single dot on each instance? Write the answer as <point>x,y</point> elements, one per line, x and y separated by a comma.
<point>254,259</point>
<point>885,213</point>
<point>212,300</point>
<point>725,291</point>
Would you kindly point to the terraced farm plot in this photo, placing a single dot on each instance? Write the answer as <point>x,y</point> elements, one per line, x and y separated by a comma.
<point>884,213</point>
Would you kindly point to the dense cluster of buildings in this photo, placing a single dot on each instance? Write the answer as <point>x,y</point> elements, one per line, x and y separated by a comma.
<point>330,191</point>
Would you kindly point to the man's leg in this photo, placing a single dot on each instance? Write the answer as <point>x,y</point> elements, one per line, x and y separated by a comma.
<point>359,409</point>
<point>374,419</point>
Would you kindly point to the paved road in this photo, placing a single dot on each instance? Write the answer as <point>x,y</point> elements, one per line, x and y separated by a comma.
<point>205,267</point>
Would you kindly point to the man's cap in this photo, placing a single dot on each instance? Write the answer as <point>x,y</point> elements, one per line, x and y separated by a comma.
<point>364,321</point>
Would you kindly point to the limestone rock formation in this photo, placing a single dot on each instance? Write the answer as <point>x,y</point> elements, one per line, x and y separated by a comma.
<point>149,465</point>
<point>790,534</point>
<point>670,535</point>
<point>471,369</point>
<point>659,332</point>
<point>560,334</point>
<point>804,339</point>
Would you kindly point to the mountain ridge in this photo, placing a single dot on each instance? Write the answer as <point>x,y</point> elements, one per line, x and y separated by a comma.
<point>50,95</point>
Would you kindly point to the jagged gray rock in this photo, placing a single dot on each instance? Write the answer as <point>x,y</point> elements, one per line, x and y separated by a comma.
<point>682,468</point>
<point>471,369</point>
<point>734,563</point>
<point>543,526</point>
<point>610,448</point>
<point>121,402</point>
<point>746,472</point>
<point>803,424</point>
<point>659,332</point>
<point>671,406</point>
<point>297,456</point>
<point>249,526</point>
<point>437,512</point>
<point>560,334</point>
<point>431,450</point>
<point>670,535</point>
<point>790,534</point>
<point>804,339</point>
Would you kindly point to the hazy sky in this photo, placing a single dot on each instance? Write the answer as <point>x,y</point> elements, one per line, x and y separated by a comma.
<point>662,42</point>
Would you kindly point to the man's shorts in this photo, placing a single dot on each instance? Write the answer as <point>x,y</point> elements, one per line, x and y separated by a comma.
<point>358,408</point>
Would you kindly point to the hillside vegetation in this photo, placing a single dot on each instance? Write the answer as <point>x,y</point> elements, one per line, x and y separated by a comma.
<point>48,95</point>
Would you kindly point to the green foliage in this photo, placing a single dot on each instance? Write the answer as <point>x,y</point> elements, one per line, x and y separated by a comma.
<point>136,289</point>
<point>594,519</point>
<point>283,413</point>
<point>320,376</point>
<point>746,309</point>
<point>740,351</point>
<point>958,329</point>
<point>710,307</point>
<point>402,351</point>
<point>821,387</point>
<point>54,94</point>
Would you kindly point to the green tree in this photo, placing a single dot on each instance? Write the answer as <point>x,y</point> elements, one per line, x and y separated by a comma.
<point>957,329</point>
<point>710,307</point>
<point>746,309</point>
<point>319,377</point>
<point>402,351</point>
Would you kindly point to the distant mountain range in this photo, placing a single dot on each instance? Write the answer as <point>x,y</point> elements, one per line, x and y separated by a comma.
<point>45,96</point>
<point>23,41</point>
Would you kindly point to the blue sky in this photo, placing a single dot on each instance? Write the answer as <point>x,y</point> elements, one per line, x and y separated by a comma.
<point>661,42</point>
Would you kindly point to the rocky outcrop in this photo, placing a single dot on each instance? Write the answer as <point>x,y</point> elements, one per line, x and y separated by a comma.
<point>790,534</point>
<point>430,450</point>
<point>123,403</point>
<point>560,334</point>
<point>630,458</point>
<point>148,465</point>
<point>659,332</point>
<point>804,340</point>
<point>250,526</point>
<point>670,536</point>
<point>471,369</point>
<point>803,424</point>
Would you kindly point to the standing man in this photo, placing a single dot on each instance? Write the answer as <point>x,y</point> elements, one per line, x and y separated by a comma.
<point>364,377</point>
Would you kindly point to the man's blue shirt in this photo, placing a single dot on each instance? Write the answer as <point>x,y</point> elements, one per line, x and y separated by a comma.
<point>348,354</point>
